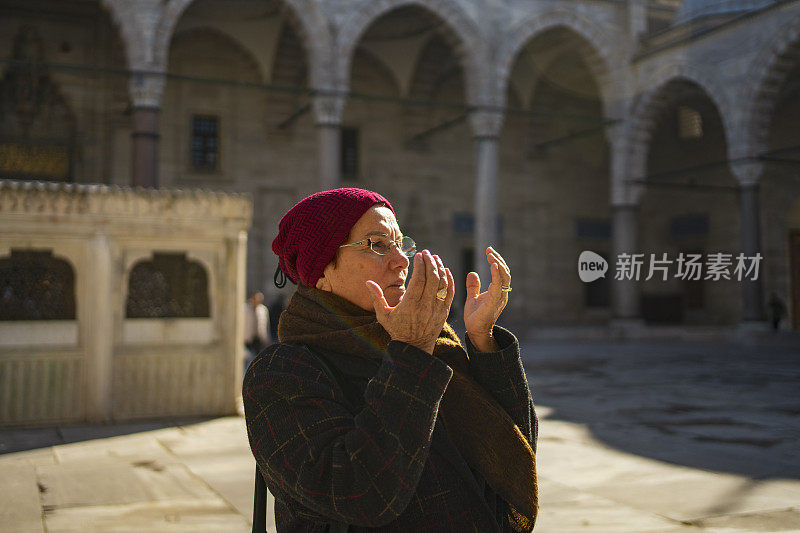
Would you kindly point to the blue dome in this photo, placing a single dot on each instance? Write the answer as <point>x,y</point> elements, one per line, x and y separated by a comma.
<point>695,9</point>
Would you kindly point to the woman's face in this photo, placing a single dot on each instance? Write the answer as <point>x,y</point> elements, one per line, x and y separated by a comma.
<point>357,264</point>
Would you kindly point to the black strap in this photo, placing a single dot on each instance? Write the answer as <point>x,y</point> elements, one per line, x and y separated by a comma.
<point>260,505</point>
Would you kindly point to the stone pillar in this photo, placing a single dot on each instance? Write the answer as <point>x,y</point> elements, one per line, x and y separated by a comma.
<point>328,109</point>
<point>625,293</point>
<point>97,328</point>
<point>752,290</point>
<point>486,128</point>
<point>748,174</point>
<point>146,91</point>
<point>625,197</point>
<point>235,274</point>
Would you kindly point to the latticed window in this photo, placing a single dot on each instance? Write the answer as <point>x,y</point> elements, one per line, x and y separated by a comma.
<point>34,285</point>
<point>168,286</point>
<point>205,142</point>
<point>349,154</point>
<point>690,123</point>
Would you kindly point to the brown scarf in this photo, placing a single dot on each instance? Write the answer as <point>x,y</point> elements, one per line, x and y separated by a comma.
<point>484,433</point>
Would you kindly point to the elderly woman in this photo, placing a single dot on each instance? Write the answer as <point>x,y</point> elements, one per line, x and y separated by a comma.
<point>370,413</point>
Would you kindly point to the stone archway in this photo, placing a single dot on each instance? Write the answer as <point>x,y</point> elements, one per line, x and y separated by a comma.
<point>554,203</point>
<point>596,48</point>
<point>306,16</point>
<point>461,32</point>
<point>758,96</point>
<point>648,106</point>
<point>690,206</point>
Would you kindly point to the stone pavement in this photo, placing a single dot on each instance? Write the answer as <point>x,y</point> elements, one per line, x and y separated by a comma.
<point>639,436</point>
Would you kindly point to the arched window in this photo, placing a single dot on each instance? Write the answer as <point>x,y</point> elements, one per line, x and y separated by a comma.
<point>168,286</point>
<point>37,127</point>
<point>34,285</point>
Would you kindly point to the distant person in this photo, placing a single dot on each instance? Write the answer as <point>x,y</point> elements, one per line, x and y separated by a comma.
<point>777,309</point>
<point>256,334</point>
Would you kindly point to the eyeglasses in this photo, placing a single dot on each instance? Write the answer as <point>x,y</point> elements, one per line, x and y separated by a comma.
<point>382,245</point>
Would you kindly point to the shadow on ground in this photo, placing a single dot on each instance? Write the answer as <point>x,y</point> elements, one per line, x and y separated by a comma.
<point>22,439</point>
<point>729,407</point>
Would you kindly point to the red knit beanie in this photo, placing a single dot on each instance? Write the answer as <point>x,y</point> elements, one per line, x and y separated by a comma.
<point>312,231</point>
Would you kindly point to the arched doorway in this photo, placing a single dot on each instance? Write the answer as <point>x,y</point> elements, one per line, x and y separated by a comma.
<point>555,178</point>
<point>780,194</point>
<point>689,211</point>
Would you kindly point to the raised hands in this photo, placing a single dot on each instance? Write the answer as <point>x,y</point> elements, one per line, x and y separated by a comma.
<point>481,310</point>
<point>420,316</point>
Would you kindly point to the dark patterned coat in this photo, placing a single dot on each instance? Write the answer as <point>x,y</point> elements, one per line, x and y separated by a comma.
<point>375,455</point>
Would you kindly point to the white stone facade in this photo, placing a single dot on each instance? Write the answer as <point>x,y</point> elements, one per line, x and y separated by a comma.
<point>554,115</point>
<point>100,364</point>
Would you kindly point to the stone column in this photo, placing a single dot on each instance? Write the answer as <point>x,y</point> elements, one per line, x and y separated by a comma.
<point>146,91</point>
<point>486,126</point>
<point>748,174</point>
<point>233,315</point>
<point>625,197</point>
<point>625,293</point>
<point>97,328</point>
<point>328,109</point>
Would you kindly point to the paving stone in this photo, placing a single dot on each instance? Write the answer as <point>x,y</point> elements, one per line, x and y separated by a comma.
<point>20,510</point>
<point>771,521</point>
<point>232,477</point>
<point>43,456</point>
<point>167,516</point>
<point>562,508</point>
<point>109,483</point>
<point>130,448</point>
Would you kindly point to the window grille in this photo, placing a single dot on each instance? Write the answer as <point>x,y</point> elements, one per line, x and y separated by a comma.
<point>168,286</point>
<point>690,123</point>
<point>205,143</point>
<point>34,285</point>
<point>349,154</point>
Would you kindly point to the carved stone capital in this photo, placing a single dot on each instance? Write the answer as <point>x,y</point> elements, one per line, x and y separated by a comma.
<point>147,88</point>
<point>747,172</point>
<point>328,108</point>
<point>486,123</point>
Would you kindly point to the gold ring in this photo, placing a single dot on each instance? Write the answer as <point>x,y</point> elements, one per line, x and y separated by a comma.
<point>441,294</point>
<point>505,289</point>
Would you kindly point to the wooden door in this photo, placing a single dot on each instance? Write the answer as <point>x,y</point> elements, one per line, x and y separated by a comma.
<point>794,275</point>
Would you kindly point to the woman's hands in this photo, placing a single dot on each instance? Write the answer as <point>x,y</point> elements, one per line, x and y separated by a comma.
<point>420,316</point>
<point>482,309</point>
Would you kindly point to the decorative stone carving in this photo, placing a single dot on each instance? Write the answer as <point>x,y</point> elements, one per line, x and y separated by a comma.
<point>68,200</point>
<point>486,123</point>
<point>328,107</point>
<point>37,126</point>
<point>147,88</point>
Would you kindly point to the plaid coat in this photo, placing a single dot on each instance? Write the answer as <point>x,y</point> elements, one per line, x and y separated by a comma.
<point>374,455</point>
